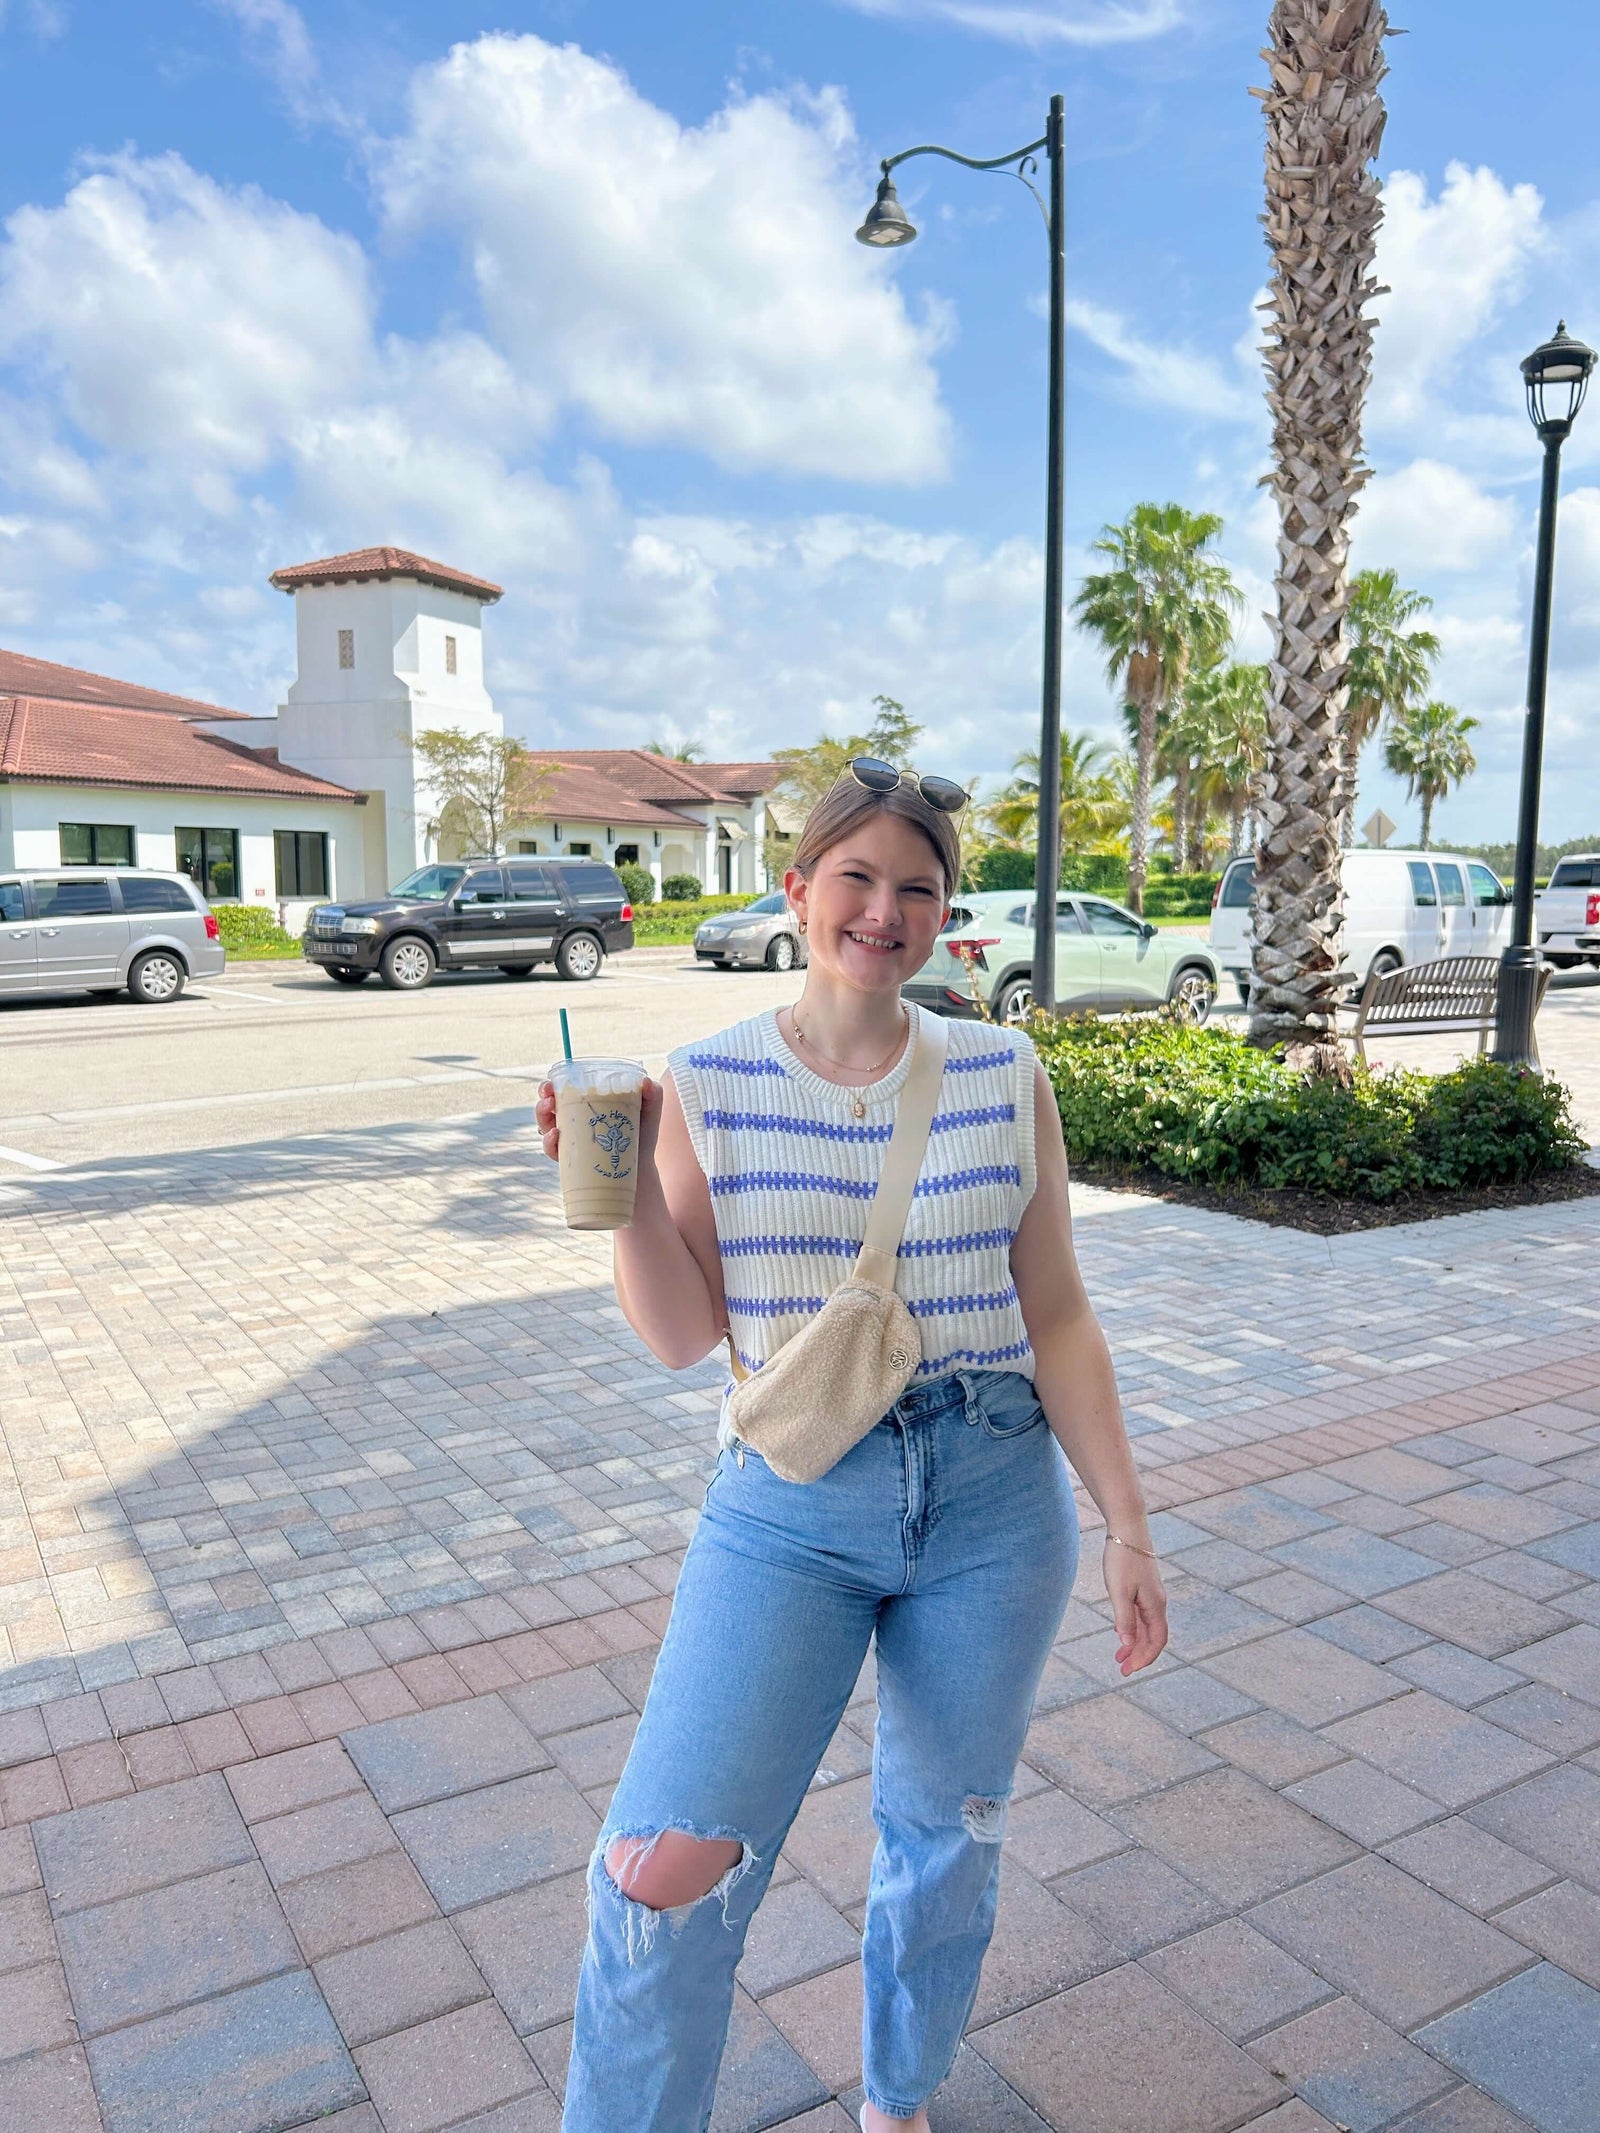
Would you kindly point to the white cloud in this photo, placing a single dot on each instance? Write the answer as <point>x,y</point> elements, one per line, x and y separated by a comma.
<point>1454,264</point>
<point>1040,23</point>
<point>1166,376</point>
<point>1429,517</point>
<point>181,319</point>
<point>691,285</point>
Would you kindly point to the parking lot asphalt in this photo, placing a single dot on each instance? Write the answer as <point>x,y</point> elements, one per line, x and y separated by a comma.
<point>271,1050</point>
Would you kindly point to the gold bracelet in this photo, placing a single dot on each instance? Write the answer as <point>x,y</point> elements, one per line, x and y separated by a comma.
<point>1134,1545</point>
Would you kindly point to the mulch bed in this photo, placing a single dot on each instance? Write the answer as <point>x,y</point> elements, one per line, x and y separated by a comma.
<point>1329,1217</point>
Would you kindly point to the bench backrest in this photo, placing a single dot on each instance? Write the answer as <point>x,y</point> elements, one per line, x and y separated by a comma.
<point>1456,988</point>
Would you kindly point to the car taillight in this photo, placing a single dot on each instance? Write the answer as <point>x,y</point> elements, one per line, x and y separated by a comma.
<point>213,930</point>
<point>627,911</point>
<point>968,950</point>
<point>1591,911</point>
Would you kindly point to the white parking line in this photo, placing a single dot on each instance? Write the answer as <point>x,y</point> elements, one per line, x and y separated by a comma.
<point>26,1161</point>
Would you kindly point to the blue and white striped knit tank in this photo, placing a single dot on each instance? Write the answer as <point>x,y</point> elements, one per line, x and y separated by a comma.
<point>792,1170</point>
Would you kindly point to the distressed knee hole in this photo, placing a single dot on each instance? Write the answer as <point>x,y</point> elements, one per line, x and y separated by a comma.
<point>984,1820</point>
<point>671,1868</point>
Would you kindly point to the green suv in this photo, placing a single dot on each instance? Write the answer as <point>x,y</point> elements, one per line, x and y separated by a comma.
<point>1107,960</point>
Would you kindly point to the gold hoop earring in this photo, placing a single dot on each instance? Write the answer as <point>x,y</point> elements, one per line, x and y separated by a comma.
<point>802,925</point>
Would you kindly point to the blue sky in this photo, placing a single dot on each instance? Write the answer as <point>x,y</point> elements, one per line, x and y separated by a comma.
<point>567,294</point>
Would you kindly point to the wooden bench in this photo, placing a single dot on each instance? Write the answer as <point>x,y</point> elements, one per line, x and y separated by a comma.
<point>1455,993</point>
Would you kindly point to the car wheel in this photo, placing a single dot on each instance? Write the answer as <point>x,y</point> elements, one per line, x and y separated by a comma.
<point>1014,1002</point>
<point>579,956</point>
<point>156,977</point>
<point>1192,993</point>
<point>347,977</point>
<point>1244,991</point>
<point>780,956</point>
<point>407,964</point>
<point>516,970</point>
<point>1384,964</point>
<point>1564,962</point>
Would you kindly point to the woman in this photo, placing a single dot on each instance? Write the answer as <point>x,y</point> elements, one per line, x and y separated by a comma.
<point>947,1534</point>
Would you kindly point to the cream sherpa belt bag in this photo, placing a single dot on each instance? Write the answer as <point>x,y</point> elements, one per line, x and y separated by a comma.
<point>844,1370</point>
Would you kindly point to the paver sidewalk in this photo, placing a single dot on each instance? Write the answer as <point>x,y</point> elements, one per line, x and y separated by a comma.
<point>310,1851</point>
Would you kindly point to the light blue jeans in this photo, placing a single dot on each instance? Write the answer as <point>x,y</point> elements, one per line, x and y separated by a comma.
<point>949,1534</point>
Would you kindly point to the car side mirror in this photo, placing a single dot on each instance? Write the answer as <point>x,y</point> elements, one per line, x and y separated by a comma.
<point>1148,930</point>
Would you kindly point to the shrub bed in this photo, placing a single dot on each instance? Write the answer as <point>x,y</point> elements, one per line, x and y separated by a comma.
<point>251,932</point>
<point>672,924</point>
<point>1206,1108</point>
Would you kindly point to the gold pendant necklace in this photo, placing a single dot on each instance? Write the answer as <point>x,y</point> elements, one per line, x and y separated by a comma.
<point>859,1106</point>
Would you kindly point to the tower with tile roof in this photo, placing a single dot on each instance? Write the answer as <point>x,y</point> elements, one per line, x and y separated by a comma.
<point>388,645</point>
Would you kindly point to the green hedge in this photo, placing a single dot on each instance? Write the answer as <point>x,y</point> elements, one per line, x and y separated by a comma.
<point>1166,895</point>
<point>639,883</point>
<point>682,889</point>
<point>672,925</point>
<point>1205,1106</point>
<point>252,930</point>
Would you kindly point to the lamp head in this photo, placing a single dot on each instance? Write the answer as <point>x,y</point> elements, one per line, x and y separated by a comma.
<point>887,222</point>
<point>1557,378</point>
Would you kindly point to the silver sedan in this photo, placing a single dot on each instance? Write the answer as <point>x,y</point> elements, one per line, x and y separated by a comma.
<point>764,935</point>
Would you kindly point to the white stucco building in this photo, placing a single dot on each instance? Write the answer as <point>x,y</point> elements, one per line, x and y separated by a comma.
<point>325,797</point>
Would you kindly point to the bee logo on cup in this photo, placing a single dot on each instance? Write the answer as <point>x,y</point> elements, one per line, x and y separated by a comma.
<point>612,1134</point>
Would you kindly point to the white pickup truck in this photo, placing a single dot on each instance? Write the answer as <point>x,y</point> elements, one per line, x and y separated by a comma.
<point>1567,913</point>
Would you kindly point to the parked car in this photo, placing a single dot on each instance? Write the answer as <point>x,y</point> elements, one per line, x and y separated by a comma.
<point>475,914</point>
<point>1399,908</point>
<point>1567,914</point>
<point>765,934</point>
<point>1107,960</point>
<point>98,929</point>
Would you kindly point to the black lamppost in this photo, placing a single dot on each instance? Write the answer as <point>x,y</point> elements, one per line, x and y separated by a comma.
<point>887,223</point>
<point>1557,376</point>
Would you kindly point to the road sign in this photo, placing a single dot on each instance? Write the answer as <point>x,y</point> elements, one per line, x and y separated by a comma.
<point>1378,829</point>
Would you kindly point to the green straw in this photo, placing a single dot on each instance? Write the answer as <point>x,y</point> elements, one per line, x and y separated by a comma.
<point>566,1034</point>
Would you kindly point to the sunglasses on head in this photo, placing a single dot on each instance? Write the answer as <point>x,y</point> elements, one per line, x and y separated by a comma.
<point>877,776</point>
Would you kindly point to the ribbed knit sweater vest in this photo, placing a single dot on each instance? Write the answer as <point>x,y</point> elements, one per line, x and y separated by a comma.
<point>792,1171</point>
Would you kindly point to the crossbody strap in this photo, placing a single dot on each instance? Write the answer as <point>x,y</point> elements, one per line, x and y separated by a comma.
<point>913,1116</point>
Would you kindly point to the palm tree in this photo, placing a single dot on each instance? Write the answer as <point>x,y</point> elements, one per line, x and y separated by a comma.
<point>1324,118</point>
<point>685,752</point>
<point>1222,722</point>
<point>1428,747</point>
<point>1163,607</point>
<point>1390,667</point>
<point>1091,808</point>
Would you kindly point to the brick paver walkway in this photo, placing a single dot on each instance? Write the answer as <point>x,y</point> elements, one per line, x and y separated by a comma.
<point>338,1529</point>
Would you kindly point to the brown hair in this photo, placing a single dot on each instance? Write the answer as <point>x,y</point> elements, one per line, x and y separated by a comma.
<point>848,805</point>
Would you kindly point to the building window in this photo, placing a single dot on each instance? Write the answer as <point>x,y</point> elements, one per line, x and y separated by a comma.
<point>526,844</point>
<point>626,855</point>
<point>580,851</point>
<point>302,858</point>
<point>347,648</point>
<point>210,858</point>
<point>449,655</point>
<point>96,844</point>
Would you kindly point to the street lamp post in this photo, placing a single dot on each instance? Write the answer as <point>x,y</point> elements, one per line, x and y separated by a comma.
<point>1557,377</point>
<point>887,223</point>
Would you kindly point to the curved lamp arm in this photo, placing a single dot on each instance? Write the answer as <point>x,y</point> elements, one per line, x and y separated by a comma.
<point>1023,158</point>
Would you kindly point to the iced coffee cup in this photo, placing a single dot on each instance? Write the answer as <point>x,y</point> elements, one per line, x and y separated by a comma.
<point>597,1118</point>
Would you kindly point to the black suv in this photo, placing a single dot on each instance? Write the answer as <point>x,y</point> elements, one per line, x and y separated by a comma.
<point>472,914</point>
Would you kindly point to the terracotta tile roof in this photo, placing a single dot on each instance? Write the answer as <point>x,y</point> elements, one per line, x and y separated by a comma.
<point>577,793</point>
<point>660,778</point>
<point>361,563</point>
<point>21,675</point>
<point>51,743</point>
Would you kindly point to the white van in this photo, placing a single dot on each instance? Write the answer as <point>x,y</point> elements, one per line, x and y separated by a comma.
<point>1399,908</point>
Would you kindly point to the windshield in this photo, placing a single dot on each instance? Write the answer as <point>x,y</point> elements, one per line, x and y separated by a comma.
<point>430,885</point>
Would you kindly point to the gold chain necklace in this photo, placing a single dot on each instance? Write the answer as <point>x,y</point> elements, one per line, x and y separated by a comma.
<point>859,1106</point>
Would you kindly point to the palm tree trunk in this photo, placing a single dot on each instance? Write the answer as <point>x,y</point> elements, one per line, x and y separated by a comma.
<point>1427,816</point>
<point>1235,823</point>
<point>1325,122</point>
<point>1180,819</point>
<point>1139,828</point>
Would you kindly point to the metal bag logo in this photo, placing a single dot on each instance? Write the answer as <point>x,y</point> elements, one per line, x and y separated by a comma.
<point>612,1134</point>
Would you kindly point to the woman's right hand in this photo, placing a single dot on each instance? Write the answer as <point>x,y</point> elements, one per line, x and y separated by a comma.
<point>544,1112</point>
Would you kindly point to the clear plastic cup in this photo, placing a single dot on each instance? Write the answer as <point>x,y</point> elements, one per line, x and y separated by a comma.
<point>597,1118</point>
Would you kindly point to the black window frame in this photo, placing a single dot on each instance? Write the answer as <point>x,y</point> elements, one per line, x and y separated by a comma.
<point>1417,868</point>
<point>95,830</point>
<point>202,880</point>
<point>546,893</point>
<point>296,839</point>
<point>480,897</point>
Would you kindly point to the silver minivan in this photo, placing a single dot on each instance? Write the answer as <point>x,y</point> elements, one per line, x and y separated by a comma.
<point>100,929</point>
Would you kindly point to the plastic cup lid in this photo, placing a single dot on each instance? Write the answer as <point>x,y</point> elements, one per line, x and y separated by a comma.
<point>606,1077</point>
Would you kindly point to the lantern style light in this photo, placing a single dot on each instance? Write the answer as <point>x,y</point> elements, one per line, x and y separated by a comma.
<point>887,221</point>
<point>1557,377</point>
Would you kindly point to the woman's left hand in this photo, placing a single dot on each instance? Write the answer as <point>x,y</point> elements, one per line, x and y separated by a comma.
<point>1138,1604</point>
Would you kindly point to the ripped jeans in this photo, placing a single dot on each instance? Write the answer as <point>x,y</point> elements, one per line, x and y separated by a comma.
<point>949,1534</point>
